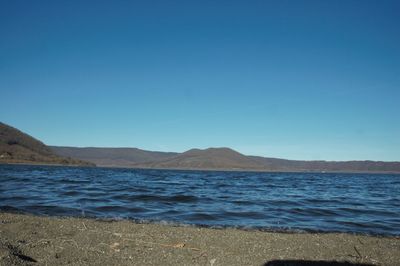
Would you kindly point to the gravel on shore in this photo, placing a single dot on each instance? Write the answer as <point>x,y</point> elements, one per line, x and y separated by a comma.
<point>38,240</point>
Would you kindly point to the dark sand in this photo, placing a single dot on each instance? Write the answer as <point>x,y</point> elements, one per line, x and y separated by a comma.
<point>33,240</point>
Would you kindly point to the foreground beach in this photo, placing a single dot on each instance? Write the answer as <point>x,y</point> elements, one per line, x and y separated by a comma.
<point>33,240</point>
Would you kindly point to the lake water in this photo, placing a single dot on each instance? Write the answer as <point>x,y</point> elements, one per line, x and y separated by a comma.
<point>358,203</point>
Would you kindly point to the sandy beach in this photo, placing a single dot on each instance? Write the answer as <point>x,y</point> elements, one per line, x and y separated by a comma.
<point>34,240</point>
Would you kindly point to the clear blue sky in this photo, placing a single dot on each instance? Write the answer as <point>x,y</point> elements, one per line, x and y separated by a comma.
<point>289,79</point>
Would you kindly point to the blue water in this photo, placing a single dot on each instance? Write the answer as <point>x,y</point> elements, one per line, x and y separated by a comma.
<point>357,203</point>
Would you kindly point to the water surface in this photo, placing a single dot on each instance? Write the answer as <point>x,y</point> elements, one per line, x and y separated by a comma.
<point>358,203</point>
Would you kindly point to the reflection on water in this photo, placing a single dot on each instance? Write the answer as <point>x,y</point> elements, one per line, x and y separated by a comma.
<point>362,203</point>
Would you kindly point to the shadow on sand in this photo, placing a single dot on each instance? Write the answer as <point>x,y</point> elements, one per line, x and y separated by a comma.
<point>312,263</point>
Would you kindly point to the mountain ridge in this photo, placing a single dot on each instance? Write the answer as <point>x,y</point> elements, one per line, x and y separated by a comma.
<point>111,157</point>
<point>224,158</point>
<point>19,147</point>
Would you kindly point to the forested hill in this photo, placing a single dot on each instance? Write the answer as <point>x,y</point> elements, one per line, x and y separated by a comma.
<point>18,147</point>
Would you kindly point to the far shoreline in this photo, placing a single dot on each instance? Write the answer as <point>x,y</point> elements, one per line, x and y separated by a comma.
<point>201,169</point>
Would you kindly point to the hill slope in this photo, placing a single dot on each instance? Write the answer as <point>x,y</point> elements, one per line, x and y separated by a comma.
<point>113,157</point>
<point>274,164</point>
<point>18,147</point>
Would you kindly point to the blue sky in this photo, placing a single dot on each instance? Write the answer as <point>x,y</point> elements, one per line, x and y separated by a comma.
<point>290,79</point>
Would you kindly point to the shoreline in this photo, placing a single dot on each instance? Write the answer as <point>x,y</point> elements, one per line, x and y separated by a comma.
<point>13,210</point>
<point>47,164</point>
<point>39,240</point>
<point>203,169</point>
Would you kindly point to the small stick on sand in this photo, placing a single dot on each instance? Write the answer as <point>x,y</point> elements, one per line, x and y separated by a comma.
<point>357,252</point>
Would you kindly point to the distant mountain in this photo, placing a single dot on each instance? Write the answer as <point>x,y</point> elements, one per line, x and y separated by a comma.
<point>214,159</point>
<point>211,158</point>
<point>113,157</point>
<point>18,147</point>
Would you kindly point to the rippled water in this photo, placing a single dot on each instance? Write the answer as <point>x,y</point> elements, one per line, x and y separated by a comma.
<point>362,203</point>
